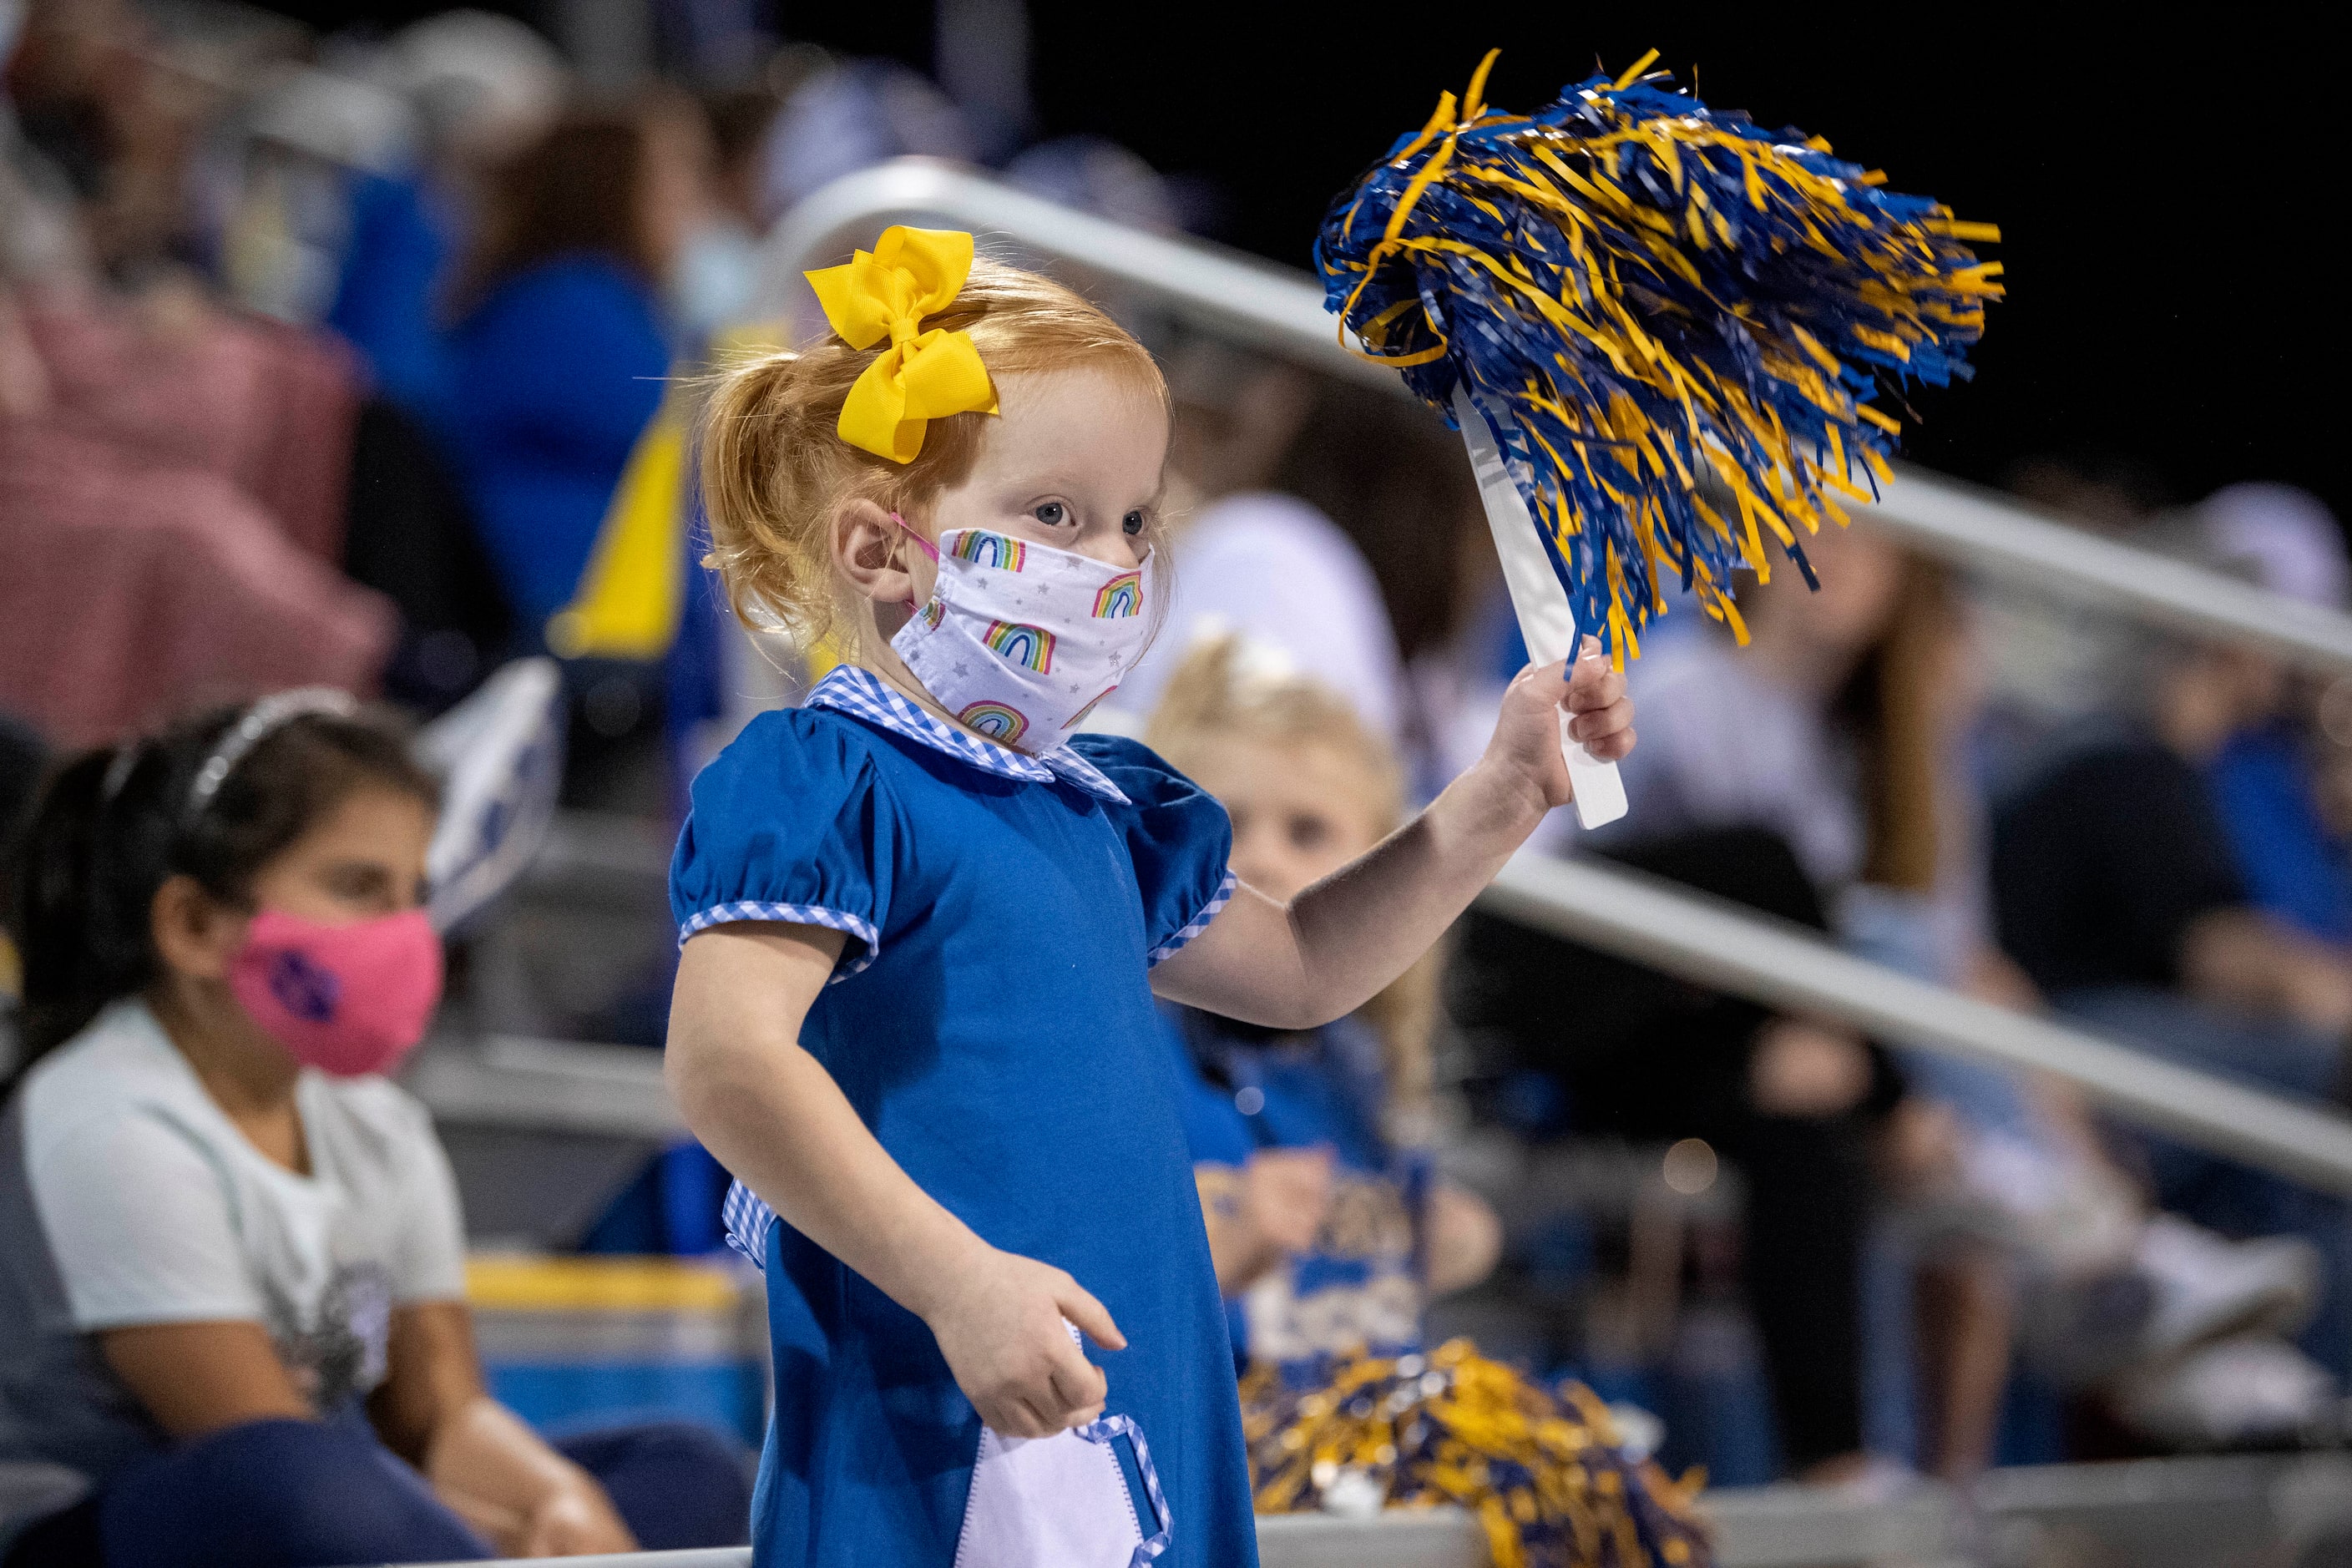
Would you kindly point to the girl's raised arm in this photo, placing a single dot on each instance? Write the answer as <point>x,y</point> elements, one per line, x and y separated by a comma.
<point>775,1117</point>
<point>1330,948</point>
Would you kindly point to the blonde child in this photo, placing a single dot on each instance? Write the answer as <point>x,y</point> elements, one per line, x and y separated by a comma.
<point>1327,1232</point>
<point>924,921</point>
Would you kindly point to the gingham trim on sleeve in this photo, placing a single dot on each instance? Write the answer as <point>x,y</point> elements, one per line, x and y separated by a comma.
<point>1198,923</point>
<point>794,914</point>
<point>748,1217</point>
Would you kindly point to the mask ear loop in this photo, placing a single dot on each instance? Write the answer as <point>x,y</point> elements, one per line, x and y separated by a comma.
<point>929,548</point>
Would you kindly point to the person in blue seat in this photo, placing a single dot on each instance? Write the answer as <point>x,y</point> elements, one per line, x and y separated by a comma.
<point>560,355</point>
<point>231,1262</point>
<point>1328,1228</point>
<point>924,917</point>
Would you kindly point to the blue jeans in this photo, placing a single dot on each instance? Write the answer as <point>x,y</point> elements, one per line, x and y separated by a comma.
<point>2224,1195</point>
<point>309,1494</point>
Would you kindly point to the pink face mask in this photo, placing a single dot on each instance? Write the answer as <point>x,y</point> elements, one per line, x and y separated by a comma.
<point>346,999</point>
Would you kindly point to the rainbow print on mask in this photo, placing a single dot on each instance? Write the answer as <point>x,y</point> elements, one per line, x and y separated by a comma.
<point>1120,598</point>
<point>1031,647</point>
<point>999,722</point>
<point>989,550</point>
<point>931,615</point>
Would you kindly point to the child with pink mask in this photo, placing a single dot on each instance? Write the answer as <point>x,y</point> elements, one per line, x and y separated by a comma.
<point>924,916</point>
<point>231,1262</point>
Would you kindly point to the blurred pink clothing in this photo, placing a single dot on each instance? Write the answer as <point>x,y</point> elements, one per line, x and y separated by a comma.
<point>268,407</point>
<point>133,590</point>
<point>171,513</point>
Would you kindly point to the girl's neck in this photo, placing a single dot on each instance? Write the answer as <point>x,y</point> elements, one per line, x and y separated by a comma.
<point>246,1073</point>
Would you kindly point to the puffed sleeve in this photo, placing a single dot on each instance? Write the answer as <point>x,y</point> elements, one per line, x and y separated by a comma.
<point>1179,840</point>
<point>786,826</point>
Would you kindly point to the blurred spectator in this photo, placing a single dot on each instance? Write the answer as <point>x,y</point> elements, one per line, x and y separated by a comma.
<point>100,96</point>
<point>285,223</point>
<point>1327,1228</point>
<point>269,409</point>
<point>1845,726</point>
<point>41,239</point>
<point>232,1288</point>
<point>717,274</point>
<point>2274,783</point>
<point>2117,888</point>
<point>480,87</point>
<point>1794,1104</point>
<point>2050,659</point>
<point>852,114</point>
<point>141,576</point>
<point>2114,871</point>
<point>561,354</point>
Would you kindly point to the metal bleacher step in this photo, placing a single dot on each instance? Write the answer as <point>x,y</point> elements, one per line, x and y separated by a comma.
<point>2252,1511</point>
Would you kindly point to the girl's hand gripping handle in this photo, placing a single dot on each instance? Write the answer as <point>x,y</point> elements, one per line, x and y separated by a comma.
<point>1546,620</point>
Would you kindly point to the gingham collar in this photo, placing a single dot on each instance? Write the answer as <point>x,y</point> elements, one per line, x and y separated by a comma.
<point>862,694</point>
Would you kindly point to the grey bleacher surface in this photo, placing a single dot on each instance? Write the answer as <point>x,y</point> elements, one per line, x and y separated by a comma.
<point>2254,1512</point>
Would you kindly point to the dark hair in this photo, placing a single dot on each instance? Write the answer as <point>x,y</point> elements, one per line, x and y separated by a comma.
<point>575,189</point>
<point>87,869</point>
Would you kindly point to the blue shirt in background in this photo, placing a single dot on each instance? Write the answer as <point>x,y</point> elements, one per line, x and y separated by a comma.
<point>554,377</point>
<point>2294,868</point>
<point>388,302</point>
<point>1360,1287</point>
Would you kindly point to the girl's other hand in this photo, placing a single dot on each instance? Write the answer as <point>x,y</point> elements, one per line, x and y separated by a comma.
<point>1000,1326</point>
<point>1526,734</point>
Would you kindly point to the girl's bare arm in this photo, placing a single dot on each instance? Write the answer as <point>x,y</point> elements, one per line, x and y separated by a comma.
<point>1325,952</point>
<point>775,1118</point>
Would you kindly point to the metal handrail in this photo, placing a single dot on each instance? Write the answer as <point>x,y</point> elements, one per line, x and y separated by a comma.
<point>1676,931</point>
<point>1729,948</point>
<point>1282,308</point>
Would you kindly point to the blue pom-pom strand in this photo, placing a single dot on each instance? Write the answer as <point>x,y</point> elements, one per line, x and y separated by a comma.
<point>1673,322</point>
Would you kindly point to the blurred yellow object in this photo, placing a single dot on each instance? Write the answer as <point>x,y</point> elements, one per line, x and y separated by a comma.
<point>499,1283</point>
<point>909,274</point>
<point>12,969</point>
<point>634,591</point>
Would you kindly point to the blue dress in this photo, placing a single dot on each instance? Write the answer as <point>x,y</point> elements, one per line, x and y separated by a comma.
<point>991,1021</point>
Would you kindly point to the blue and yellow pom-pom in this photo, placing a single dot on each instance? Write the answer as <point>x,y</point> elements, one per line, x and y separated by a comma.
<point>1674,323</point>
<point>1541,1467</point>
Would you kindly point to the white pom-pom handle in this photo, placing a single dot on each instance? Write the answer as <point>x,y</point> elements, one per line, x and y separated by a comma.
<point>1546,620</point>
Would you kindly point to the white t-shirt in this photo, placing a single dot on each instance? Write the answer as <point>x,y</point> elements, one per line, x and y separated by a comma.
<point>127,1196</point>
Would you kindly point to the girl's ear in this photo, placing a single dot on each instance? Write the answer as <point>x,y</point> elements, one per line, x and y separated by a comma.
<point>875,554</point>
<point>195,934</point>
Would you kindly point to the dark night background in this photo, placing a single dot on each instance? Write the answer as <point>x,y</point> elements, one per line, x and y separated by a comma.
<point>2165,184</point>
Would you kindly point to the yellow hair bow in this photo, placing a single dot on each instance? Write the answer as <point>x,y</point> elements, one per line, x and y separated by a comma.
<point>909,274</point>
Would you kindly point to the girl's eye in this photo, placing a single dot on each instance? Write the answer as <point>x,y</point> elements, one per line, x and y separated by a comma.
<point>1052,513</point>
<point>1132,523</point>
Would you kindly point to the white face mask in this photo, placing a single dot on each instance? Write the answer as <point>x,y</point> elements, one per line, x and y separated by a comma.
<point>1020,641</point>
